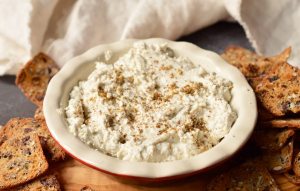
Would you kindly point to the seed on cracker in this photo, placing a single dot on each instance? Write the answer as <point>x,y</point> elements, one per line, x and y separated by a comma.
<point>34,77</point>
<point>28,126</point>
<point>279,161</point>
<point>272,139</point>
<point>279,90</point>
<point>251,64</point>
<point>46,183</point>
<point>21,160</point>
<point>248,176</point>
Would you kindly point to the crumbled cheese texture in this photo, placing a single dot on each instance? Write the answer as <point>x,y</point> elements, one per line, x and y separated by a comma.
<point>151,105</point>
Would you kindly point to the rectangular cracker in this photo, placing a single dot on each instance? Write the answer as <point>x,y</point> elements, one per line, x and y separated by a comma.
<point>279,90</point>
<point>21,160</point>
<point>34,77</point>
<point>276,83</point>
<point>251,64</point>
<point>28,126</point>
<point>46,183</point>
<point>247,176</point>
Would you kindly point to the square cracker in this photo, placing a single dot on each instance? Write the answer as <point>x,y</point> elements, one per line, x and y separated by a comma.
<point>21,160</point>
<point>251,64</point>
<point>28,126</point>
<point>34,77</point>
<point>279,90</point>
<point>250,175</point>
<point>49,183</point>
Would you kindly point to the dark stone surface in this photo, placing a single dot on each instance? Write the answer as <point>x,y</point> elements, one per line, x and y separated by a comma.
<point>217,37</point>
<point>14,104</point>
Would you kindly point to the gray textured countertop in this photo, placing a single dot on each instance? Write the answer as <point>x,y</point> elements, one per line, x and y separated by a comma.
<point>14,104</point>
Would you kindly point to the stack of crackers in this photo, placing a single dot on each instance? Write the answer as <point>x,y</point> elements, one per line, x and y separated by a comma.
<point>276,137</point>
<point>26,146</point>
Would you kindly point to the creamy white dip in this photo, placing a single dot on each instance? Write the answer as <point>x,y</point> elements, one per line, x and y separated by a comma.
<point>151,105</point>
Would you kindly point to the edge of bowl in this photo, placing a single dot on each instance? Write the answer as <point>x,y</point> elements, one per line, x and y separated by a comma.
<point>80,151</point>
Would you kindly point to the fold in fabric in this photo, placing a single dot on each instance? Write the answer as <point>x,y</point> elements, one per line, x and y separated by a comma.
<point>271,26</point>
<point>64,29</point>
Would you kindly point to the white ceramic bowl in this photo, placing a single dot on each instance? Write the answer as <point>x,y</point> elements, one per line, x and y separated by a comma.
<point>80,67</point>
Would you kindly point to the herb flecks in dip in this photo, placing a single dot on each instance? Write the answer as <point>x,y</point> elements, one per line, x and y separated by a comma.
<point>151,105</point>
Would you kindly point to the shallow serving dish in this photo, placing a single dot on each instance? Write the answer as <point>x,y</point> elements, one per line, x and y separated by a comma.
<point>80,67</point>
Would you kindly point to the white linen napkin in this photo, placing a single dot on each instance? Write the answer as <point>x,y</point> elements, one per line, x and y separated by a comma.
<point>64,29</point>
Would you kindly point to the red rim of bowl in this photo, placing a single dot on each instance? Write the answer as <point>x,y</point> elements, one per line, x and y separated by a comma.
<point>144,179</point>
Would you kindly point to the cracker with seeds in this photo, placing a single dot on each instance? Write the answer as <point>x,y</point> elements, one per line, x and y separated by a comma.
<point>21,160</point>
<point>247,176</point>
<point>251,64</point>
<point>279,90</point>
<point>284,123</point>
<point>34,77</point>
<point>279,161</point>
<point>49,183</point>
<point>28,126</point>
<point>55,151</point>
<point>272,139</point>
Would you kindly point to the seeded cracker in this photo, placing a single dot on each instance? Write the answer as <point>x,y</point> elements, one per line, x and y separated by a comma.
<point>28,126</point>
<point>284,123</point>
<point>21,160</point>
<point>46,183</point>
<point>279,161</point>
<point>251,64</point>
<point>272,139</point>
<point>248,176</point>
<point>34,77</point>
<point>279,90</point>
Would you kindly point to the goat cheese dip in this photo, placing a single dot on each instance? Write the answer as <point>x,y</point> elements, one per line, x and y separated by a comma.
<point>151,105</point>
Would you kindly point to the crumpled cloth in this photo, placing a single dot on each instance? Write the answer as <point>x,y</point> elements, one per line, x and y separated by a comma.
<point>66,28</point>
